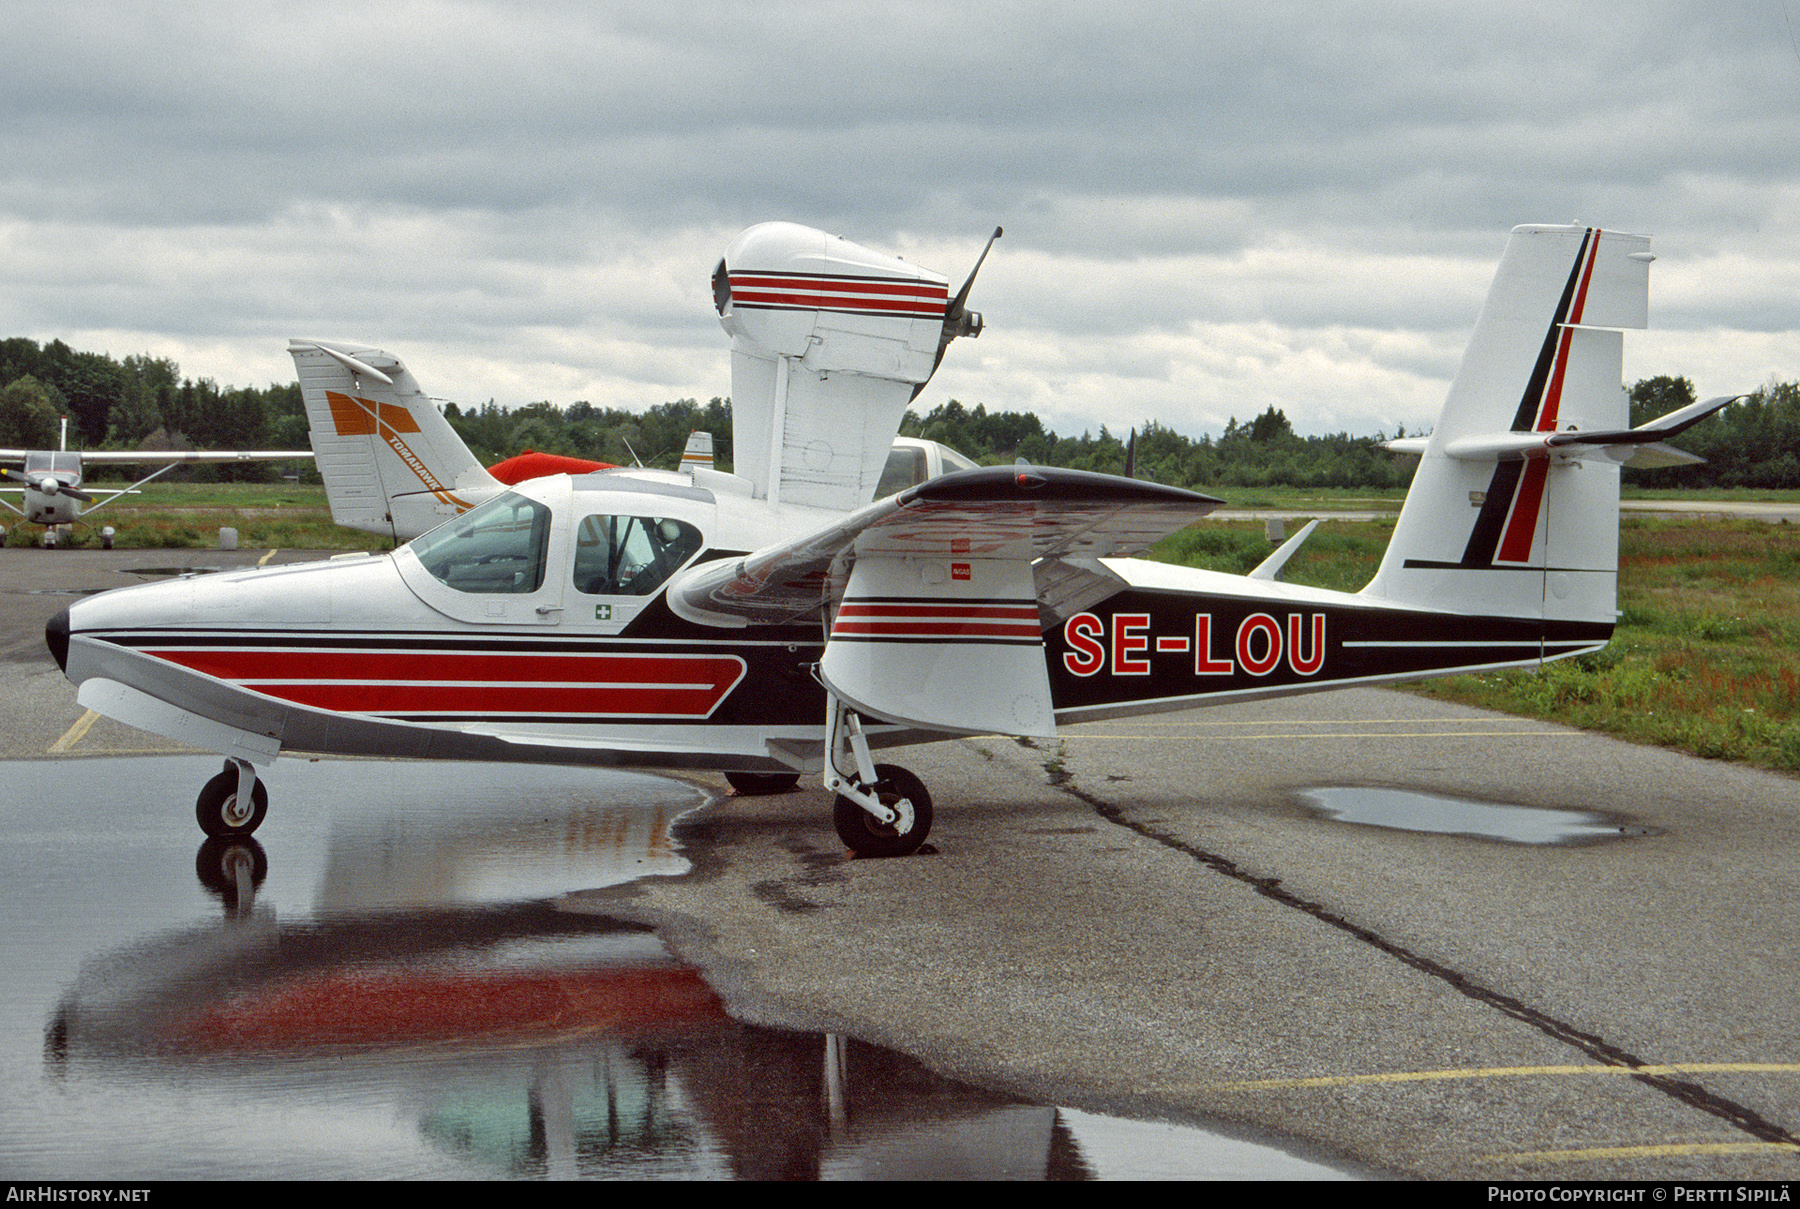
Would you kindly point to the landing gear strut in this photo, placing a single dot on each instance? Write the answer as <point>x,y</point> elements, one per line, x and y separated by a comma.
<point>232,803</point>
<point>881,809</point>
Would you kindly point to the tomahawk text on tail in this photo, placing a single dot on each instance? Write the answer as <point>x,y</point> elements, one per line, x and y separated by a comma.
<point>780,620</point>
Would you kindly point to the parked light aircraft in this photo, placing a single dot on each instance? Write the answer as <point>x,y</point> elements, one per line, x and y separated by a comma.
<point>393,465</point>
<point>778,621</point>
<point>52,491</point>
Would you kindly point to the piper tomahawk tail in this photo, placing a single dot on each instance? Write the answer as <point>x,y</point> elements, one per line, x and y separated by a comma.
<point>782,621</point>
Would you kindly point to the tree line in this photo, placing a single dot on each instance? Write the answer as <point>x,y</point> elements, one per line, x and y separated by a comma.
<point>143,402</point>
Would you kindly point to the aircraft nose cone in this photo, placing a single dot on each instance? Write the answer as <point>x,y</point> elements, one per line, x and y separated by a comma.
<point>56,637</point>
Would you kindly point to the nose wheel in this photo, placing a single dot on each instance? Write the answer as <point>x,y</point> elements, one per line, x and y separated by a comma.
<point>233,803</point>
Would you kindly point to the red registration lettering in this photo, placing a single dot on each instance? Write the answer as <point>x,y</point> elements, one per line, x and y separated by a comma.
<point>1259,623</point>
<point>1307,665</point>
<point>1129,640</point>
<point>1204,663</point>
<point>1085,656</point>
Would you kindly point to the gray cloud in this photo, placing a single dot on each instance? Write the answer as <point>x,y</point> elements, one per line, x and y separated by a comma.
<point>1211,208</point>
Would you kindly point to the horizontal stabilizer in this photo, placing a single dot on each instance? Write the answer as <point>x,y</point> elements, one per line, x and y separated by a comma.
<point>1628,446</point>
<point>1270,567</point>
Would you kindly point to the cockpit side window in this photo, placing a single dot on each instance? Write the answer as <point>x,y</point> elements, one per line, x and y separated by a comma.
<point>499,547</point>
<point>905,468</point>
<point>956,461</point>
<point>630,555</point>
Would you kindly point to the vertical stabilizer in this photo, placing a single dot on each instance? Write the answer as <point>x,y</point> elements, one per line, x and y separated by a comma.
<point>699,452</point>
<point>829,342</point>
<point>391,463</point>
<point>1499,521</point>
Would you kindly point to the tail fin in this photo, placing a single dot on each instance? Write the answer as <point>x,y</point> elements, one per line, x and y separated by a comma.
<point>1508,515</point>
<point>699,452</point>
<point>830,341</point>
<point>392,464</point>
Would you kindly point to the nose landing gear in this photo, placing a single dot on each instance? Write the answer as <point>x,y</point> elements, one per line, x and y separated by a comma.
<point>233,803</point>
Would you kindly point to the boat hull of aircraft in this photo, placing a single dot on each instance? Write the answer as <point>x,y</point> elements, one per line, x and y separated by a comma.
<point>669,693</point>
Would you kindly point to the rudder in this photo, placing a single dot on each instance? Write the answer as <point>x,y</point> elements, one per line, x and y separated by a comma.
<point>1499,522</point>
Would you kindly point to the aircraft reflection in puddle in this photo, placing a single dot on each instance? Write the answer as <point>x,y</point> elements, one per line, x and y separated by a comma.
<point>529,1041</point>
<point>409,1028</point>
<point>1410,810</point>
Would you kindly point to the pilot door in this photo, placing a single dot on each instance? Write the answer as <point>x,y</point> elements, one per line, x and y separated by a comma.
<point>619,565</point>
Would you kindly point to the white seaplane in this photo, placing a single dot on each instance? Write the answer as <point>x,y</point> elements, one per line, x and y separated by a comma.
<point>780,621</point>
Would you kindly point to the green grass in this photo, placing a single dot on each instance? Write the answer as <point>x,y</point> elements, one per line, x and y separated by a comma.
<point>189,516</point>
<point>1705,659</point>
<point>1312,500</point>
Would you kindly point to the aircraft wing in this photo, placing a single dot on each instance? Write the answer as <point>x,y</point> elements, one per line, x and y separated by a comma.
<point>1011,513</point>
<point>145,457</point>
<point>936,599</point>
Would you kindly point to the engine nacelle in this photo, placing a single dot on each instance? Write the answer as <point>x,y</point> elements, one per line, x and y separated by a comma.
<point>787,290</point>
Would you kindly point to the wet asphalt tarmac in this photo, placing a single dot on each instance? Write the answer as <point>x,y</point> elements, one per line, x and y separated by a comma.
<point>1143,926</point>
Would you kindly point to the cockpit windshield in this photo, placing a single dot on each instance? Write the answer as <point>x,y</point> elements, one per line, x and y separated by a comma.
<point>498,547</point>
<point>66,465</point>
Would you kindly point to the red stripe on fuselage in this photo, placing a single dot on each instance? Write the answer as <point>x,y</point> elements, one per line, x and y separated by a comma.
<point>412,682</point>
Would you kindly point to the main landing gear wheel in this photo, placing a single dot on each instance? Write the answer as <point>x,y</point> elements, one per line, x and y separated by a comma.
<point>750,784</point>
<point>864,836</point>
<point>221,814</point>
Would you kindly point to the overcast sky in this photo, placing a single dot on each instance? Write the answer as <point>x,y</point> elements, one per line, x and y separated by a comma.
<point>1209,208</point>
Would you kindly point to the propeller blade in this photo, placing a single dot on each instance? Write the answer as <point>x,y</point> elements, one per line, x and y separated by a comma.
<point>1131,456</point>
<point>957,313</point>
<point>959,320</point>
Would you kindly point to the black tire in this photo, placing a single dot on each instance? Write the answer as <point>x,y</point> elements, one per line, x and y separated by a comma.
<point>864,836</point>
<point>217,811</point>
<point>751,784</point>
<point>220,861</point>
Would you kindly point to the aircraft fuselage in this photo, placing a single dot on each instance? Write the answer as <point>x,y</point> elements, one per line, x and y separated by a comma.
<point>537,628</point>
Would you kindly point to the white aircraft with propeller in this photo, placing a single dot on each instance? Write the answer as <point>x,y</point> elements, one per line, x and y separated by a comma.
<point>52,491</point>
<point>780,621</point>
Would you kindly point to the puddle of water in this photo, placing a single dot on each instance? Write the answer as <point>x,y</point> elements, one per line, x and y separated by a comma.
<point>412,977</point>
<point>1410,810</point>
<point>531,1043</point>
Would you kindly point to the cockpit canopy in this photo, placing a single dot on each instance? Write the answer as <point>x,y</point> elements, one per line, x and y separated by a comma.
<point>630,555</point>
<point>503,547</point>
